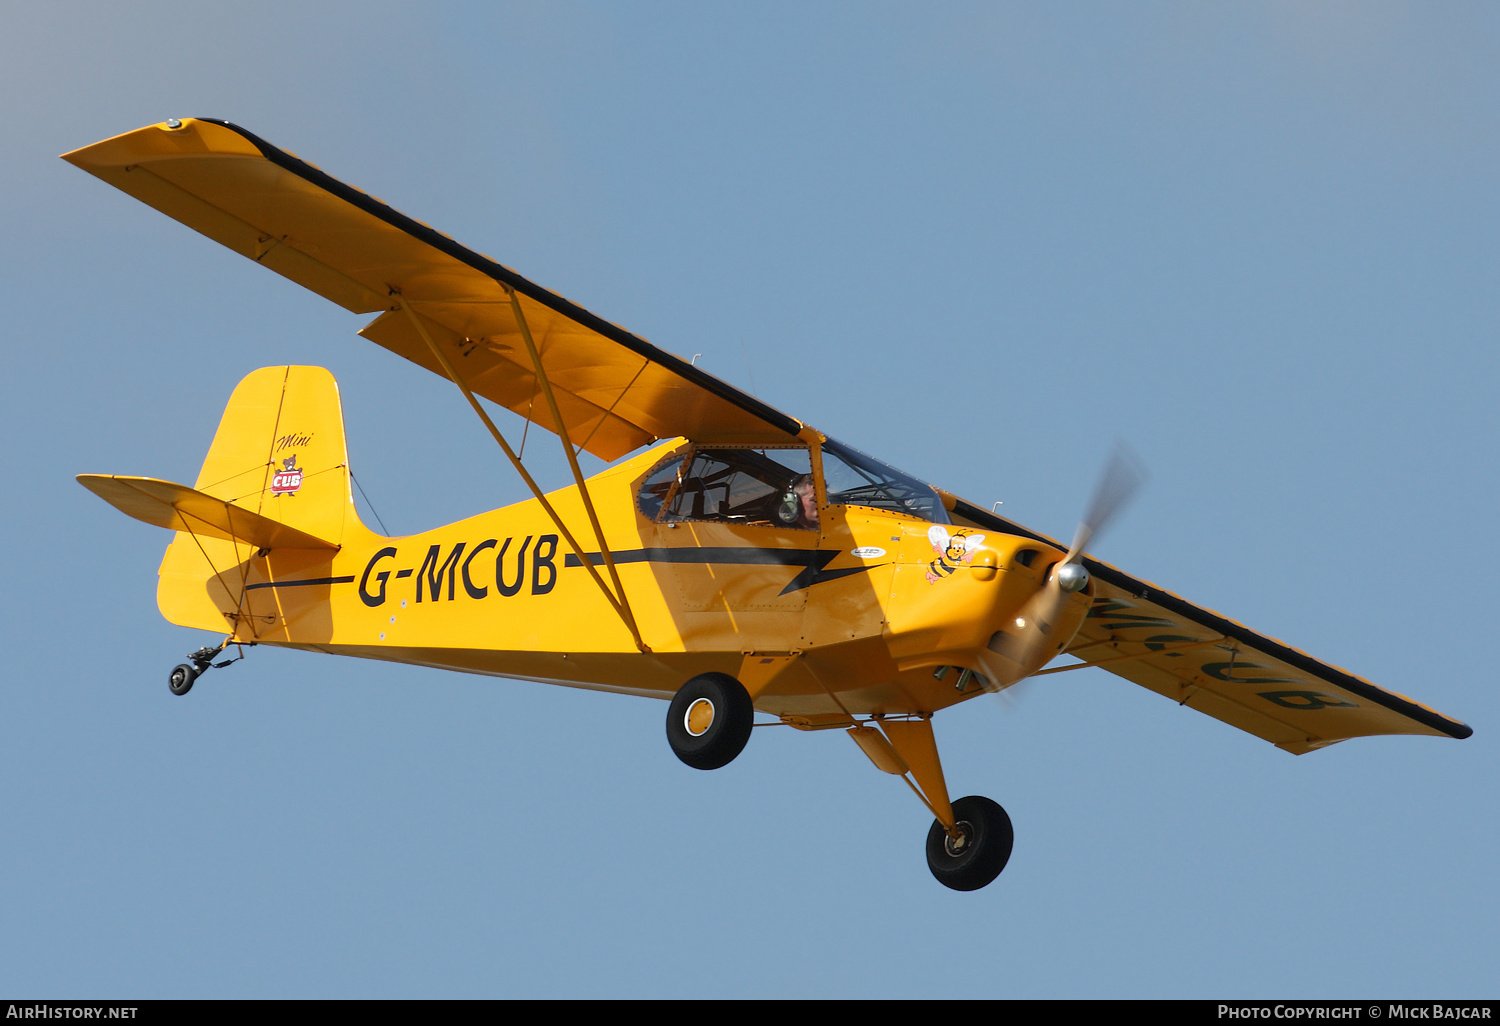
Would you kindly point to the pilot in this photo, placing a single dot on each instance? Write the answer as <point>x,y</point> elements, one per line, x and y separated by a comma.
<point>807,502</point>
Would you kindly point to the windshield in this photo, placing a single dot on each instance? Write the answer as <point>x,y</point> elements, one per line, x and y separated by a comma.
<point>854,479</point>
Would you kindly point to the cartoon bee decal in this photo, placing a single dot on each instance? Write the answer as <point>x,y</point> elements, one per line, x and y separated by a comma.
<point>951,549</point>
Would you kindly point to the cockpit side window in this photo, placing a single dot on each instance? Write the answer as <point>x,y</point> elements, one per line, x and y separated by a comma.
<point>745,487</point>
<point>658,486</point>
<point>854,479</point>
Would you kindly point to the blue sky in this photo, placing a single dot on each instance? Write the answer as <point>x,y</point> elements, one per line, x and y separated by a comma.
<point>978,241</point>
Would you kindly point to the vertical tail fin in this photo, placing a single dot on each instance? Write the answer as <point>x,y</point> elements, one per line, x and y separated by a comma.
<point>280,451</point>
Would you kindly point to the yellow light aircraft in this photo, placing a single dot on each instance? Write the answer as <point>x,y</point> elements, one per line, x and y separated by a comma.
<point>744,561</point>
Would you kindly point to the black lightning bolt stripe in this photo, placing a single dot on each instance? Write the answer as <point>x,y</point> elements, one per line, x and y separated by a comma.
<point>812,561</point>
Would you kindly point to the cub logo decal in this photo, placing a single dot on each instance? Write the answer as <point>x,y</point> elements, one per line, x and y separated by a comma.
<point>951,549</point>
<point>288,479</point>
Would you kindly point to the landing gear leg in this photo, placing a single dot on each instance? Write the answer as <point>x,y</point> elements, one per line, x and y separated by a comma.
<point>970,839</point>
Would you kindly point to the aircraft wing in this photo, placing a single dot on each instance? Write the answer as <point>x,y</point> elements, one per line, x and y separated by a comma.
<point>615,391</point>
<point>1206,661</point>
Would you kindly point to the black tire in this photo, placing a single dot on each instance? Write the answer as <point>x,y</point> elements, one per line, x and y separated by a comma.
<point>985,850</point>
<point>180,680</point>
<point>709,720</point>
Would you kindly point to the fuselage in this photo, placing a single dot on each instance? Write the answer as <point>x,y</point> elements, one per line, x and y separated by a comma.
<point>868,611</point>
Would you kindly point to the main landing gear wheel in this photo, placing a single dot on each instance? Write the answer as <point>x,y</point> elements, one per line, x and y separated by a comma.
<point>181,678</point>
<point>709,720</point>
<point>976,857</point>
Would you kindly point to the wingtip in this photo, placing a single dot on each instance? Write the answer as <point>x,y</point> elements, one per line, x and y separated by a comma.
<point>91,481</point>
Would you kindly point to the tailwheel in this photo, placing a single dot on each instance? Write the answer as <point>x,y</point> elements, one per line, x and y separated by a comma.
<point>180,680</point>
<point>979,852</point>
<point>709,720</point>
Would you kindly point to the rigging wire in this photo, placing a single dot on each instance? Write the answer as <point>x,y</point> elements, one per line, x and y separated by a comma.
<point>361,488</point>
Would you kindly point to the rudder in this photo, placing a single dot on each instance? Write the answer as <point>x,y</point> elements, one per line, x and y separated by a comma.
<point>280,451</point>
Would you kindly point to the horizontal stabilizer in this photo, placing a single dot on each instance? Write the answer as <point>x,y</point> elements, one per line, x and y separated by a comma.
<point>180,508</point>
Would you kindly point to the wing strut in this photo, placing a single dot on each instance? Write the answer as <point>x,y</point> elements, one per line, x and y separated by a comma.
<point>620,604</point>
<point>562,435</point>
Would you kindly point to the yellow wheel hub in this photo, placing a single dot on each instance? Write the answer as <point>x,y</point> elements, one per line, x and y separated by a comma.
<point>700,716</point>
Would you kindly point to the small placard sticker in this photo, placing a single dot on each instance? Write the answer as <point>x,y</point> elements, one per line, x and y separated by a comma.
<point>867,552</point>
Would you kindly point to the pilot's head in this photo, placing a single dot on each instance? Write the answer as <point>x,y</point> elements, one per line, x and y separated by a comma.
<point>807,514</point>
